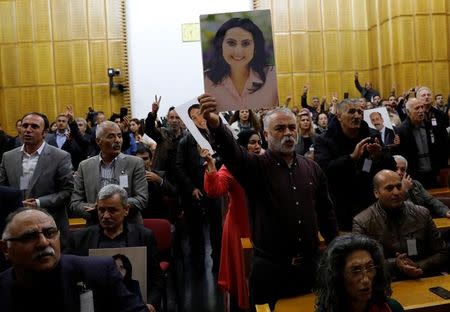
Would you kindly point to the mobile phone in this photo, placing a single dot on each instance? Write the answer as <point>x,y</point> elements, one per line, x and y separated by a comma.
<point>346,95</point>
<point>441,292</point>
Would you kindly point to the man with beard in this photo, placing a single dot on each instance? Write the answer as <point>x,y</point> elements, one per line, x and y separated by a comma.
<point>412,245</point>
<point>109,167</point>
<point>41,279</point>
<point>288,203</point>
<point>350,153</point>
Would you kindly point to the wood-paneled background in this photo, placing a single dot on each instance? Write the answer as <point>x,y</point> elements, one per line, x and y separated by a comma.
<point>323,42</point>
<point>55,53</point>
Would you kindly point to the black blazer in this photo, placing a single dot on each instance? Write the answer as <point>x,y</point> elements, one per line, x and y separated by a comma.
<point>82,240</point>
<point>99,275</point>
<point>389,136</point>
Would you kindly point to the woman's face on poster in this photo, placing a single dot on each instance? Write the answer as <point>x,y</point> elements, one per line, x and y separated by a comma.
<point>238,47</point>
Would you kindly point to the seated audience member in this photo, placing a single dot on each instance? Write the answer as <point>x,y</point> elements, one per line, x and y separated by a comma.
<point>307,136</point>
<point>244,119</point>
<point>322,123</point>
<point>236,224</point>
<point>422,144</point>
<point>367,92</point>
<point>350,157</point>
<point>288,203</point>
<point>114,232</point>
<point>412,245</point>
<point>41,279</point>
<point>352,277</point>
<point>125,268</point>
<point>109,167</point>
<point>416,193</point>
<point>158,187</point>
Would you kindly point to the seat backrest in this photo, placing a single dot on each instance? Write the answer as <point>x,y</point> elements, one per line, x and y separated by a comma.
<point>161,228</point>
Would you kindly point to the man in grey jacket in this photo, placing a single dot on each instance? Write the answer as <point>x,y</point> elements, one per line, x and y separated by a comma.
<point>412,245</point>
<point>109,167</point>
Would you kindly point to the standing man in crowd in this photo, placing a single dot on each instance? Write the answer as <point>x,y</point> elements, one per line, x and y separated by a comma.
<point>288,203</point>
<point>42,172</point>
<point>61,136</point>
<point>367,92</point>
<point>351,153</point>
<point>41,279</point>
<point>109,167</point>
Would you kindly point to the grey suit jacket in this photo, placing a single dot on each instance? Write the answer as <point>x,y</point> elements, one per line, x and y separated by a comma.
<point>87,183</point>
<point>52,181</point>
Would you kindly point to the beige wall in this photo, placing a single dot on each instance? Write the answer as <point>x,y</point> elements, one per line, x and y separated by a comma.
<point>55,53</point>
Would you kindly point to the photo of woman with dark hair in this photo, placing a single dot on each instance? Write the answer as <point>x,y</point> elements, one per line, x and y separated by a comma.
<point>126,270</point>
<point>238,74</point>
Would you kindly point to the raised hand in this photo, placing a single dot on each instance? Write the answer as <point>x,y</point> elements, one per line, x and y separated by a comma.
<point>209,109</point>
<point>155,104</point>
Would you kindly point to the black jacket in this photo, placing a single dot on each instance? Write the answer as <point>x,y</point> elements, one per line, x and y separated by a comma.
<point>350,187</point>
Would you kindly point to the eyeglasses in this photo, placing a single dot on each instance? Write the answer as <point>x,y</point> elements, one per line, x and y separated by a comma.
<point>358,271</point>
<point>28,237</point>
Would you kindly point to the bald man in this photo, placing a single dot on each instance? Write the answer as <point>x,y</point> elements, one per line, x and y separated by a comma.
<point>43,279</point>
<point>412,245</point>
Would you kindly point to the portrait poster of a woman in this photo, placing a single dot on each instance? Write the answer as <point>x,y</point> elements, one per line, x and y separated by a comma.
<point>238,60</point>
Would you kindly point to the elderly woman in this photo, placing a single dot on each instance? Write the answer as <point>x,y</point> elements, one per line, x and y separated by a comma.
<point>351,277</point>
<point>306,133</point>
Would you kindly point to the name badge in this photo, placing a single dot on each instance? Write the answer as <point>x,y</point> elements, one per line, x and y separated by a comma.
<point>433,122</point>
<point>432,137</point>
<point>367,165</point>
<point>123,180</point>
<point>412,247</point>
<point>24,182</point>
<point>86,301</point>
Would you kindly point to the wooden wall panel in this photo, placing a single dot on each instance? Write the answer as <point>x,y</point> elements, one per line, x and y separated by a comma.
<point>10,68</point>
<point>314,15</point>
<point>80,62</point>
<point>345,15</point>
<point>280,16</point>
<point>408,76</point>
<point>56,52</point>
<point>330,18</point>
<point>300,80</point>
<point>297,15</point>
<point>7,22</point>
<point>300,52</point>
<point>360,50</point>
<point>406,41</point>
<point>24,20</point>
<point>315,51</point>
<point>44,62</point>
<point>27,69</point>
<point>359,15</point>
<point>423,35</point>
<point>405,7</point>
<point>78,19</point>
<point>333,84</point>
<point>424,74</point>
<point>440,77</point>
<point>331,51</point>
<point>346,49</point>
<point>285,88</point>
<point>42,21</point>
<point>422,7</point>
<point>438,6</point>
<point>439,44</point>
<point>61,17</point>
<point>283,53</point>
<point>96,19</point>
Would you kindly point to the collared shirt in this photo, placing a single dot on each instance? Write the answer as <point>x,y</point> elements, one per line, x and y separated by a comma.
<point>287,204</point>
<point>29,162</point>
<point>228,98</point>
<point>61,138</point>
<point>107,172</point>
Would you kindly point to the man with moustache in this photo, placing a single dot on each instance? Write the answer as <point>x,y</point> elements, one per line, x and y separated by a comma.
<point>288,203</point>
<point>412,245</point>
<point>109,167</point>
<point>41,279</point>
<point>351,153</point>
<point>387,135</point>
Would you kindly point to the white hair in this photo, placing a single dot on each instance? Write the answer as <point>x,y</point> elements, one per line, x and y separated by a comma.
<point>401,158</point>
<point>410,103</point>
<point>110,190</point>
<point>100,131</point>
<point>278,110</point>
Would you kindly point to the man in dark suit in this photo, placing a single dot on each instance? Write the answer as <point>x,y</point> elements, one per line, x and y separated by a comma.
<point>41,279</point>
<point>387,135</point>
<point>113,232</point>
<point>42,172</point>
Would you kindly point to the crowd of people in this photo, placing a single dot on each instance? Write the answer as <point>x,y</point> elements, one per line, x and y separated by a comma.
<point>281,175</point>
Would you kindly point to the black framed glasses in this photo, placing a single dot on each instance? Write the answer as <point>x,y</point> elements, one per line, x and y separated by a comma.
<point>28,237</point>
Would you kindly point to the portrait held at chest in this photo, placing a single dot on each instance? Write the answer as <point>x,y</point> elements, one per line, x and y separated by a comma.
<point>238,59</point>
